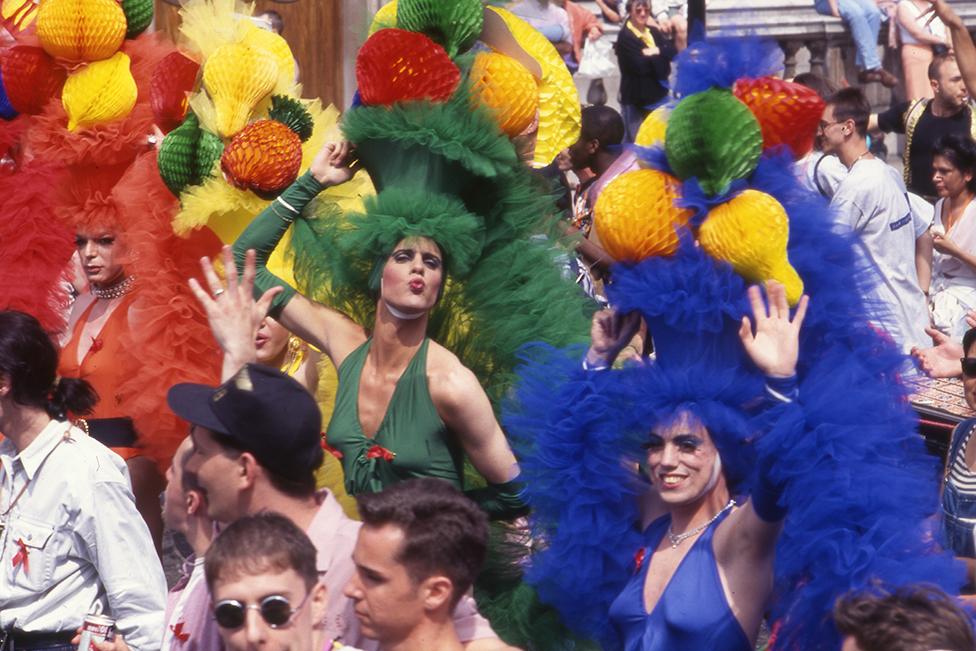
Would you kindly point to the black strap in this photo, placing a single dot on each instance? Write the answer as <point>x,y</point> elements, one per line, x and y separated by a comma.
<point>816,176</point>
<point>113,432</point>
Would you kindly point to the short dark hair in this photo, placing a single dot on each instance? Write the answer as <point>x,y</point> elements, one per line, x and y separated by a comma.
<point>968,340</point>
<point>296,486</point>
<point>912,618</point>
<point>29,359</point>
<point>851,104</point>
<point>631,3</point>
<point>258,543</point>
<point>602,123</point>
<point>444,532</point>
<point>935,67</point>
<point>820,85</point>
<point>960,150</point>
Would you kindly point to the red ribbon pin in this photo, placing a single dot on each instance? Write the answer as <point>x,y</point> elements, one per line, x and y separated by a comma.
<point>379,452</point>
<point>178,632</point>
<point>22,557</point>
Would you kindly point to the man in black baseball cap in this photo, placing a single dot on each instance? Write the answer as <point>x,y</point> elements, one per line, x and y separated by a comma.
<point>256,442</point>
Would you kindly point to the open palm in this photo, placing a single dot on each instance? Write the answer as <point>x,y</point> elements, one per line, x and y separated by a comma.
<point>774,345</point>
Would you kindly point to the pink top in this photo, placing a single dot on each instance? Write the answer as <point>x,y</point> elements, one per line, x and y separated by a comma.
<point>334,535</point>
<point>190,626</point>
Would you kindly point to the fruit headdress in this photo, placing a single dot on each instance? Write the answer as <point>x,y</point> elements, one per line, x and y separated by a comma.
<point>437,128</point>
<point>78,139</point>
<point>715,209</point>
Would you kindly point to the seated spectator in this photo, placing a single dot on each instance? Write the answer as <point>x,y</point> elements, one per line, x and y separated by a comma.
<point>70,536</point>
<point>819,172</point>
<point>419,550</point>
<point>583,25</point>
<point>265,586</point>
<point>671,17</point>
<point>863,18</point>
<point>612,11</point>
<point>919,39</point>
<point>644,54</point>
<point>912,618</point>
<point>959,492</point>
<point>952,290</point>
<point>552,21</point>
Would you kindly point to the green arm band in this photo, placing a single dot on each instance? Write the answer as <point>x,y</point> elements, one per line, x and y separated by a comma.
<point>501,501</point>
<point>266,230</point>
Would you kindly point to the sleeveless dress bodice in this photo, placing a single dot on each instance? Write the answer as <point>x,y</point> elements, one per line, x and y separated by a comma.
<point>691,613</point>
<point>107,363</point>
<point>412,440</point>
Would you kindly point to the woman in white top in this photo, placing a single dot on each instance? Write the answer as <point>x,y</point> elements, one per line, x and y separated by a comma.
<point>917,41</point>
<point>952,290</point>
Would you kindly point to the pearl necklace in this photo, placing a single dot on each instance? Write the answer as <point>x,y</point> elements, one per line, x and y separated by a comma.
<point>117,290</point>
<point>677,539</point>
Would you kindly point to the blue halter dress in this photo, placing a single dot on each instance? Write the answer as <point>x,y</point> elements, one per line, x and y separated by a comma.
<point>692,612</point>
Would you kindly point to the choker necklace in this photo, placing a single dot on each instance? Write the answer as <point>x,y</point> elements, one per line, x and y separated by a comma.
<point>677,539</point>
<point>866,152</point>
<point>117,290</point>
<point>404,316</point>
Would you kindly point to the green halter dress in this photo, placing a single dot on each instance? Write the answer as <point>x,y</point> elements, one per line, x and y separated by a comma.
<point>412,440</point>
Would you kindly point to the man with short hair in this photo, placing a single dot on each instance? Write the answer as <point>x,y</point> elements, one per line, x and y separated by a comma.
<point>256,446</point>
<point>189,625</point>
<point>266,592</point>
<point>913,618</point>
<point>923,121</point>
<point>419,550</point>
<point>872,202</point>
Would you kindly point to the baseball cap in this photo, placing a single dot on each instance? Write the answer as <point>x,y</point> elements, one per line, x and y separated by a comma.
<point>264,411</point>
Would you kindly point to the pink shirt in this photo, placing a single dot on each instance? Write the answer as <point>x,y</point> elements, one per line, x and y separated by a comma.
<point>334,535</point>
<point>190,626</point>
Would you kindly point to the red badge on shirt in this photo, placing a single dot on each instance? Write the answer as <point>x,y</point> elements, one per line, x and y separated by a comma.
<point>639,559</point>
<point>178,632</point>
<point>379,452</point>
<point>22,557</point>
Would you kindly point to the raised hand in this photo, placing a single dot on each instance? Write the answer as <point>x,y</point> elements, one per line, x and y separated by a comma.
<point>610,331</point>
<point>941,9</point>
<point>334,164</point>
<point>233,313</point>
<point>774,346</point>
<point>942,359</point>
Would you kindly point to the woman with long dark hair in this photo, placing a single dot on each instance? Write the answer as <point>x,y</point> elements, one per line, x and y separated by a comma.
<point>71,540</point>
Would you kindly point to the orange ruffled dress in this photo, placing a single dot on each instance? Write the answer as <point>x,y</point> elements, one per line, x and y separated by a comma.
<point>106,366</point>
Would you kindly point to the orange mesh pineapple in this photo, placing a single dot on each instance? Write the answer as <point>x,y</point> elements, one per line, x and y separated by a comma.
<point>266,156</point>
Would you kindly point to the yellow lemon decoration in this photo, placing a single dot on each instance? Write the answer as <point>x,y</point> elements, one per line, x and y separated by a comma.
<point>751,233</point>
<point>653,128</point>
<point>559,106</point>
<point>276,46</point>
<point>102,91</point>
<point>81,30</point>
<point>635,216</point>
<point>504,85</point>
<point>385,18</point>
<point>238,76</point>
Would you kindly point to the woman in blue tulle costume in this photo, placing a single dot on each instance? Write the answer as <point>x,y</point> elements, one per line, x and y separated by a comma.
<point>793,491</point>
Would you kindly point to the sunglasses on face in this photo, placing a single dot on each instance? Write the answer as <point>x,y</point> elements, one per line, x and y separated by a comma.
<point>968,367</point>
<point>275,610</point>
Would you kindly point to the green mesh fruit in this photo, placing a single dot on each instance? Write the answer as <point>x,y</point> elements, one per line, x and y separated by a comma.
<point>454,24</point>
<point>293,114</point>
<point>715,137</point>
<point>187,155</point>
<point>138,16</point>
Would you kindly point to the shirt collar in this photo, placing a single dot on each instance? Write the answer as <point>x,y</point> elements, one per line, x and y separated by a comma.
<point>32,457</point>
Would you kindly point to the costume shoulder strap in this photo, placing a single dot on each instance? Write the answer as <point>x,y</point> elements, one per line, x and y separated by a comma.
<point>912,115</point>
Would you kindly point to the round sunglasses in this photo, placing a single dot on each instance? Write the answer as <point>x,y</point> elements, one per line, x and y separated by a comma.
<point>275,610</point>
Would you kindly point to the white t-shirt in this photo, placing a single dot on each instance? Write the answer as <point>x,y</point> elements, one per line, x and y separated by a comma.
<point>820,172</point>
<point>872,201</point>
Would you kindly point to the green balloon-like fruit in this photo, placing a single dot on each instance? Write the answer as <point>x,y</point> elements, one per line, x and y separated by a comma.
<point>138,16</point>
<point>454,24</point>
<point>713,136</point>
<point>187,155</point>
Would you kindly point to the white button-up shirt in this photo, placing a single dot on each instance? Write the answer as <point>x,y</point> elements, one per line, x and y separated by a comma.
<point>84,540</point>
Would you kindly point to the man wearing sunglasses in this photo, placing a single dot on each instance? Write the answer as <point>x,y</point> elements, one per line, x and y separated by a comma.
<point>257,443</point>
<point>872,203</point>
<point>264,583</point>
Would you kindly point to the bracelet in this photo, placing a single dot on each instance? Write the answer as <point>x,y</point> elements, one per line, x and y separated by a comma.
<point>594,367</point>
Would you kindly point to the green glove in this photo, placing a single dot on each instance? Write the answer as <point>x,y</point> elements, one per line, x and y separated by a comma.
<point>501,501</point>
<point>266,230</point>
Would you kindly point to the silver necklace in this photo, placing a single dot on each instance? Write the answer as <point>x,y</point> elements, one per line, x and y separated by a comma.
<point>677,539</point>
<point>117,290</point>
